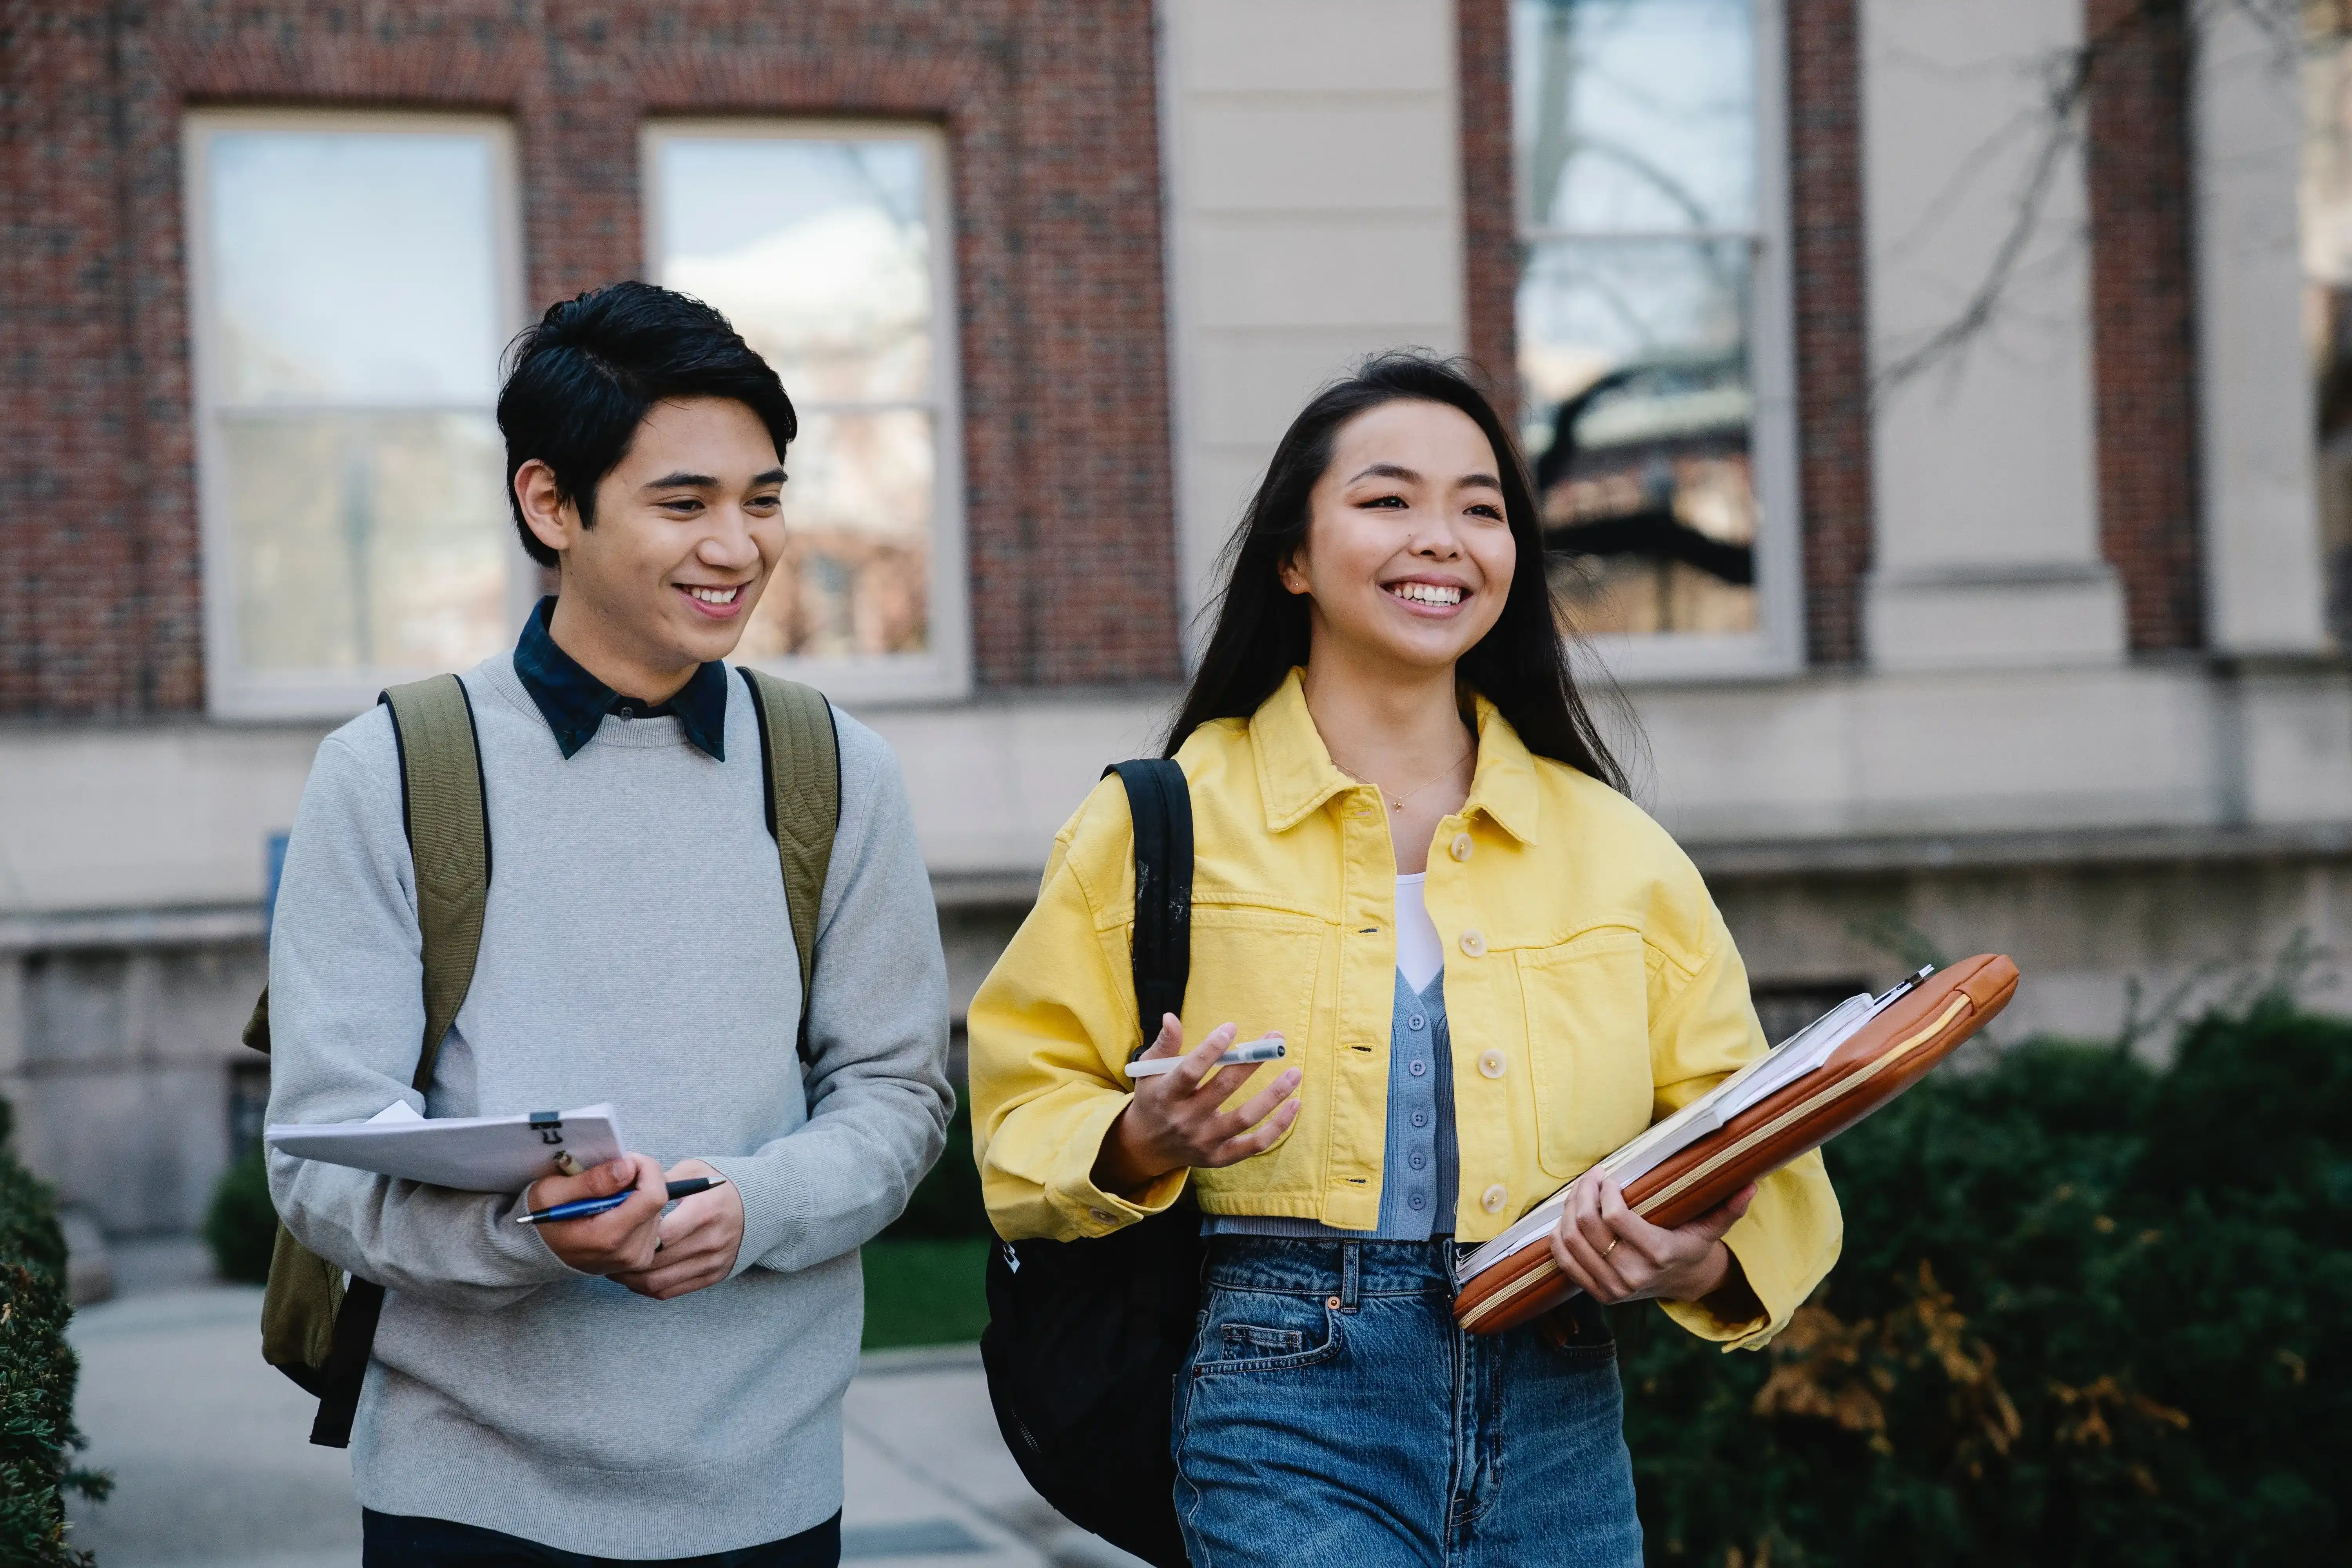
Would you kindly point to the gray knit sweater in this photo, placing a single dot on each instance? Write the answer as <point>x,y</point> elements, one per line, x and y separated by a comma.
<point>636,949</point>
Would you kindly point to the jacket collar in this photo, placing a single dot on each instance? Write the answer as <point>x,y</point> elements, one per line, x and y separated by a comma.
<point>575,702</point>
<point>1295,775</point>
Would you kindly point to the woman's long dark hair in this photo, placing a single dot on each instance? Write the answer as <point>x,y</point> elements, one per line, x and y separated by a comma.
<point>1520,665</point>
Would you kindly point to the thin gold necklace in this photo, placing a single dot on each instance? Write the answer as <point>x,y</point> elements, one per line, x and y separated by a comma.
<point>1396,802</point>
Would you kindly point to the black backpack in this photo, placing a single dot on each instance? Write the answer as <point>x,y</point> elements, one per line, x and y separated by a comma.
<point>1085,1338</point>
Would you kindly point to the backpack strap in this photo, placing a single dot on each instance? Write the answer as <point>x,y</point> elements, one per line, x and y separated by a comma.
<point>1160,802</point>
<point>444,806</point>
<point>444,810</point>
<point>800,748</point>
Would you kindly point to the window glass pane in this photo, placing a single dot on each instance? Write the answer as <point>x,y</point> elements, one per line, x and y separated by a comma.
<point>366,539</point>
<point>858,512</point>
<point>1636,120</point>
<point>352,267</point>
<point>818,250</point>
<point>1636,115</point>
<point>1634,357</point>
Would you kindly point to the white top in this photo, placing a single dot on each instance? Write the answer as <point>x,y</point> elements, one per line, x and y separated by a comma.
<point>1420,955</point>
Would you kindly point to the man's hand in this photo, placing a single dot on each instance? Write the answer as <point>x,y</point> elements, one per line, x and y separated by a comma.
<point>700,1239</point>
<point>1173,1121</point>
<point>615,1240</point>
<point>1617,1256</point>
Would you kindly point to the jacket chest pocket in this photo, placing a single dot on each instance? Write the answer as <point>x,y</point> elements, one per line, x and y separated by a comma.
<point>1588,1016</point>
<point>1257,970</point>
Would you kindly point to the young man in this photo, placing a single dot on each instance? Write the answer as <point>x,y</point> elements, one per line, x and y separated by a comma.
<point>640,1385</point>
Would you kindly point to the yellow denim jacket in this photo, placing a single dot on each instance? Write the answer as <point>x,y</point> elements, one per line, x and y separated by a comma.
<point>1590,987</point>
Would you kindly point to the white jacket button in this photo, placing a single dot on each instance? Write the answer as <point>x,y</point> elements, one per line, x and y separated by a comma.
<point>1492,1199</point>
<point>1473,944</point>
<point>1461,846</point>
<point>1490,1062</point>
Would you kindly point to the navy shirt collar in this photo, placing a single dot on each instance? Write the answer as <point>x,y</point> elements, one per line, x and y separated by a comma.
<point>575,702</point>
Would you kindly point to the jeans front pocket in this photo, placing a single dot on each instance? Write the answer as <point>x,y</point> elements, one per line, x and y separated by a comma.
<point>1263,1330</point>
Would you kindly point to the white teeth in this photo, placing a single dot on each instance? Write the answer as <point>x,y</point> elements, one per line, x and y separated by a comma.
<point>1426,593</point>
<point>716,595</point>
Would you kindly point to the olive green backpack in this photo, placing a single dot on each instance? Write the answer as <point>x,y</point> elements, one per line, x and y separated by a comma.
<point>316,1329</point>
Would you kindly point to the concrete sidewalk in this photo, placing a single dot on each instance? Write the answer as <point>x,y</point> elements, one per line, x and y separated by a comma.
<point>212,1469</point>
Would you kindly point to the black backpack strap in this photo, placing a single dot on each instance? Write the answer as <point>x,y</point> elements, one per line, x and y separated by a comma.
<point>1160,802</point>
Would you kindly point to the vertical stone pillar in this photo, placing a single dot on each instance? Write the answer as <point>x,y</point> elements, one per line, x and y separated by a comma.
<point>1313,180</point>
<point>2265,592</point>
<point>1984,447</point>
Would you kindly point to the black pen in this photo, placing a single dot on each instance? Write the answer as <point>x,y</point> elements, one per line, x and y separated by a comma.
<point>583,1208</point>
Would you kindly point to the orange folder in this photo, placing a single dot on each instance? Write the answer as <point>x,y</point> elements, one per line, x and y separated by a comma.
<point>1512,1278</point>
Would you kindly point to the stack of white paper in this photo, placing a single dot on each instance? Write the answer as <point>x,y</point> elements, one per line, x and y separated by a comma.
<point>472,1153</point>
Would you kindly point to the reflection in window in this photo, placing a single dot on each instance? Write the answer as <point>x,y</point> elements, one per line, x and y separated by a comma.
<point>819,248</point>
<point>1635,125</point>
<point>350,326</point>
<point>2328,273</point>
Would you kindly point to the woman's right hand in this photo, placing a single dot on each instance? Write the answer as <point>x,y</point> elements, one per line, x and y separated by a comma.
<point>1174,1121</point>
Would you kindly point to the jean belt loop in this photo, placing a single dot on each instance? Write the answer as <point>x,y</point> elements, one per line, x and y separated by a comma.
<point>1347,1268</point>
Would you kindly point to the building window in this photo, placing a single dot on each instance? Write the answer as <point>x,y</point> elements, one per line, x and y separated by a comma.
<point>1653,323</point>
<point>2327,274</point>
<point>828,246</point>
<point>354,279</point>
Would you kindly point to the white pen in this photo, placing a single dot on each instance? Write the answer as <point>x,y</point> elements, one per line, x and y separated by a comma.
<point>1268,1050</point>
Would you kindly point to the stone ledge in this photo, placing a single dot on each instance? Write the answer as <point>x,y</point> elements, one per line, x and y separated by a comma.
<point>2063,849</point>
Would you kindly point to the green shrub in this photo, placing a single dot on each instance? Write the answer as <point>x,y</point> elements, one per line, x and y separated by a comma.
<point>2088,1313</point>
<point>241,1224</point>
<point>946,1204</point>
<point>37,1370</point>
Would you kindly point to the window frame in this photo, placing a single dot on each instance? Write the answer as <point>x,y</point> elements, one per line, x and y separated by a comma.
<point>1776,648</point>
<point>943,670</point>
<point>233,691</point>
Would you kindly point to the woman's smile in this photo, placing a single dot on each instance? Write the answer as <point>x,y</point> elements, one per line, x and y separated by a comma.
<point>1437,598</point>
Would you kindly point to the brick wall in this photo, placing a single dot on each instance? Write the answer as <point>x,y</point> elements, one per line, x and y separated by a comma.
<point>1489,223</point>
<point>1049,107</point>
<point>2143,308</point>
<point>1828,260</point>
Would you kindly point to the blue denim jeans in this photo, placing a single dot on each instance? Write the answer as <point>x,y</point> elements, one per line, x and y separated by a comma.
<point>1331,1416</point>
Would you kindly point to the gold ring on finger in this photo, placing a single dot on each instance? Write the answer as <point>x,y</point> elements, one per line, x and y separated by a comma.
<point>1610,1248</point>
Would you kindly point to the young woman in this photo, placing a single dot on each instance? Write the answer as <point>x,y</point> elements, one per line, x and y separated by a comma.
<point>1413,861</point>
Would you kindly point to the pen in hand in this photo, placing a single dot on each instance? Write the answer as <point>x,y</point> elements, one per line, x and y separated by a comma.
<point>586,1208</point>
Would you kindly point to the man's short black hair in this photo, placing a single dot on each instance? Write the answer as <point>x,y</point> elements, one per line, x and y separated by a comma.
<point>579,382</point>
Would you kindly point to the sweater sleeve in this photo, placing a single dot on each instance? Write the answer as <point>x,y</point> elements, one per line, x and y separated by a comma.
<point>347,1021</point>
<point>878,1012</point>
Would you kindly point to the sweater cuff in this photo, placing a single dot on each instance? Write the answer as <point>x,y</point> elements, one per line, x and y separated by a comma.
<point>775,1206</point>
<point>1087,1209</point>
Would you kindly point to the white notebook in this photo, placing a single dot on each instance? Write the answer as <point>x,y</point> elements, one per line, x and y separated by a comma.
<point>472,1153</point>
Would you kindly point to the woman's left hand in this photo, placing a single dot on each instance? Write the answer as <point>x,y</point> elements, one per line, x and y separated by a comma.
<point>1616,1256</point>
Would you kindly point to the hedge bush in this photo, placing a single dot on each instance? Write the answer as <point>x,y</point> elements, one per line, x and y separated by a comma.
<point>37,1370</point>
<point>2088,1312</point>
<point>241,1223</point>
